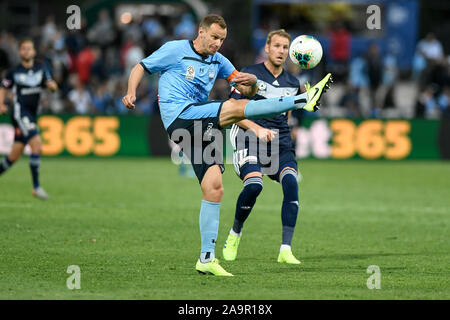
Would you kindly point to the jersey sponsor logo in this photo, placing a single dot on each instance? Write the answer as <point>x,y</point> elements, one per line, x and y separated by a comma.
<point>190,73</point>
<point>275,83</point>
<point>28,91</point>
<point>29,79</point>
<point>267,90</point>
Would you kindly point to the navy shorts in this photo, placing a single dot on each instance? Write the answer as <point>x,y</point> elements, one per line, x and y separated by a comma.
<point>269,159</point>
<point>197,132</point>
<point>25,127</point>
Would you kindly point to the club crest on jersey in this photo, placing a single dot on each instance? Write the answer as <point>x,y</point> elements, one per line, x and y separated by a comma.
<point>211,73</point>
<point>190,73</point>
<point>262,87</point>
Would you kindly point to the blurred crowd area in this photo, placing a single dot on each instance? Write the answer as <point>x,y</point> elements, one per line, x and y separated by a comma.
<point>370,83</point>
<point>92,65</point>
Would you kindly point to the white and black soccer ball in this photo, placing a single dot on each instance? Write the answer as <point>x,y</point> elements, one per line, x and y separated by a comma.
<point>305,51</point>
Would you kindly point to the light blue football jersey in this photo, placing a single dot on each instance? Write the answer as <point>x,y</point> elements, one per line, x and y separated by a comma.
<point>186,76</point>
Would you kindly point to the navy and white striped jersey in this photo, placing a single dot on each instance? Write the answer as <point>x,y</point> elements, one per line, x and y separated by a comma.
<point>271,87</point>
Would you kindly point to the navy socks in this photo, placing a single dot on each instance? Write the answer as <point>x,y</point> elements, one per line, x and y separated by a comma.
<point>289,209</point>
<point>35,161</point>
<point>252,188</point>
<point>5,164</point>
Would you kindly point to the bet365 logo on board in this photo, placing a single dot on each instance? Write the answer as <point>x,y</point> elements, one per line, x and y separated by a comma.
<point>344,139</point>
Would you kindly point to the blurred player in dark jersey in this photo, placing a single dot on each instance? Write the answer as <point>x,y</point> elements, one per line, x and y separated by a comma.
<point>26,81</point>
<point>249,158</point>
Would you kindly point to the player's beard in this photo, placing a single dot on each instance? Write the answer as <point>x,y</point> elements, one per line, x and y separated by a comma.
<point>27,60</point>
<point>277,62</point>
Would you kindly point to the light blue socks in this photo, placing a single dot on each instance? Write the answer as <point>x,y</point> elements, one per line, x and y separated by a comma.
<point>209,227</point>
<point>265,108</point>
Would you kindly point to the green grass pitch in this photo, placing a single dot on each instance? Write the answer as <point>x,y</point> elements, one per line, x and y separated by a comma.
<point>131,225</point>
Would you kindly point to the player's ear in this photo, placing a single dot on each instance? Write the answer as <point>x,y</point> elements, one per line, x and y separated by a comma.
<point>266,48</point>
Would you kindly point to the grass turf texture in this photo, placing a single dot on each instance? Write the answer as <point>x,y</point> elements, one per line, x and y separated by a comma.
<point>131,225</point>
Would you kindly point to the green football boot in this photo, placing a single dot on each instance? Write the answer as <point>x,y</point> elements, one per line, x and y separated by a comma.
<point>213,267</point>
<point>230,248</point>
<point>315,93</point>
<point>286,256</point>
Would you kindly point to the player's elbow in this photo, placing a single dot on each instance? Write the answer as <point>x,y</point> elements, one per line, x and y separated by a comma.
<point>138,68</point>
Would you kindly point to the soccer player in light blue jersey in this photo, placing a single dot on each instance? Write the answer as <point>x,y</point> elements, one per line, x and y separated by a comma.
<point>188,71</point>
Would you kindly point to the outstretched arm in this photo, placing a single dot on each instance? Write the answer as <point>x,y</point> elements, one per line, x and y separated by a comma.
<point>136,75</point>
<point>262,133</point>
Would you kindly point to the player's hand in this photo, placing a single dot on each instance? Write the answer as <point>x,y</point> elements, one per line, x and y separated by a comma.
<point>3,108</point>
<point>246,79</point>
<point>265,134</point>
<point>129,100</point>
<point>52,85</point>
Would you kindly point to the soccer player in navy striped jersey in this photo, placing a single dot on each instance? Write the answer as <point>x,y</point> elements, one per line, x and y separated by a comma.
<point>273,81</point>
<point>188,71</point>
<point>26,80</point>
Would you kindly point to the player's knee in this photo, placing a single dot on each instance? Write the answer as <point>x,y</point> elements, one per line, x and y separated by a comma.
<point>289,182</point>
<point>216,194</point>
<point>213,192</point>
<point>37,149</point>
<point>14,157</point>
<point>253,186</point>
<point>232,111</point>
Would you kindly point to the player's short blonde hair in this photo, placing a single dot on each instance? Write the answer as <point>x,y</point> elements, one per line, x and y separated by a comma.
<point>24,40</point>
<point>208,20</point>
<point>279,32</point>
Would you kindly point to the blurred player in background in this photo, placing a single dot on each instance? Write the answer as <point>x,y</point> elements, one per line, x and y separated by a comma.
<point>189,70</point>
<point>26,80</point>
<point>273,81</point>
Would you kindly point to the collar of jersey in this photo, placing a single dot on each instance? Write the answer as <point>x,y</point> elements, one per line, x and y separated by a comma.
<point>193,49</point>
<point>276,78</point>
